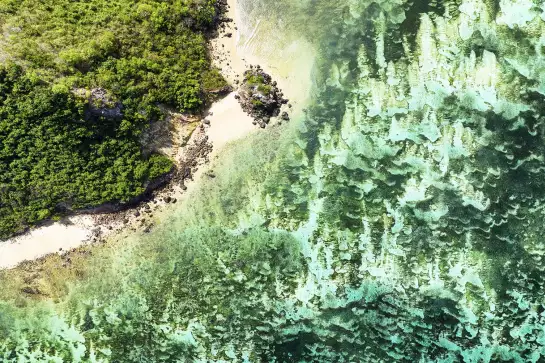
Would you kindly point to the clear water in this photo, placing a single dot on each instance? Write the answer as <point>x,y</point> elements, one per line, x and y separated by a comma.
<point>398,219</point>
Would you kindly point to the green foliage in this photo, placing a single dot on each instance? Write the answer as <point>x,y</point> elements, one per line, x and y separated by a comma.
<point>56,154</point>
<point>148,52</point>
<point>257,103</point>
<point>254,79</point>
<point>213,80</point>
<point>264,88</point>
<point>54,158</point>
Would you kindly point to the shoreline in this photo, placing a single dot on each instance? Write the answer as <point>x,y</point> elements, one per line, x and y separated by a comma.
<point>225,122</point>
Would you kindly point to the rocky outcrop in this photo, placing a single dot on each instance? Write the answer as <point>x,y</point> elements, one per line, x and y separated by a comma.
<point>101,103</point>
<point>260,97</point>
<point>221,92</point>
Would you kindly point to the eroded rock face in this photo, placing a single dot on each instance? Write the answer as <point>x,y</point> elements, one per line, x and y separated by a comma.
<point>101,103</point>
<point>221,92</point>
<point>259,96</point>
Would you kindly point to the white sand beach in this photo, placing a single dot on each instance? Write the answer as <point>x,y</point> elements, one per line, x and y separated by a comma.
<point>56,237</point>
<point>228,122</point>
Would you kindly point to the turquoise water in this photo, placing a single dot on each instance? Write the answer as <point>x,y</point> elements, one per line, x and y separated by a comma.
<point>398,219</point>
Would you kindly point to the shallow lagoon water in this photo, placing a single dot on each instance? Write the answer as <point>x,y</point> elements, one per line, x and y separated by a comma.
<point>398,219</point>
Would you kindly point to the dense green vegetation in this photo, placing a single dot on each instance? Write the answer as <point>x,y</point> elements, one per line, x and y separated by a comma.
<point>62,148</point>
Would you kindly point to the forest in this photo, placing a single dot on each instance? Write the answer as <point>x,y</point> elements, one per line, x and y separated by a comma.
<point>79,83</point>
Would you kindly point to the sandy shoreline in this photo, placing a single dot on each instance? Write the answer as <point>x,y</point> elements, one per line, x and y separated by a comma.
<point>56,237</point>
<point>227,122</point>
<point>289,63</point>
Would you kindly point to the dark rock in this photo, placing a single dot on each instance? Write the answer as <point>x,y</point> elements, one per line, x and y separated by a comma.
<point>101,104</point>
<point>259,96</point>
<point>221,91</point>
<point>285,116</point>
<point>30,291</point>
<point>137,214</point>
<point>206,121</point>
<point>229,35</point>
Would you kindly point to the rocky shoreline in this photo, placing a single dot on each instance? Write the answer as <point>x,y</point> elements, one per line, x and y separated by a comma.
<point>115,221</point>
<point>138,214</point>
